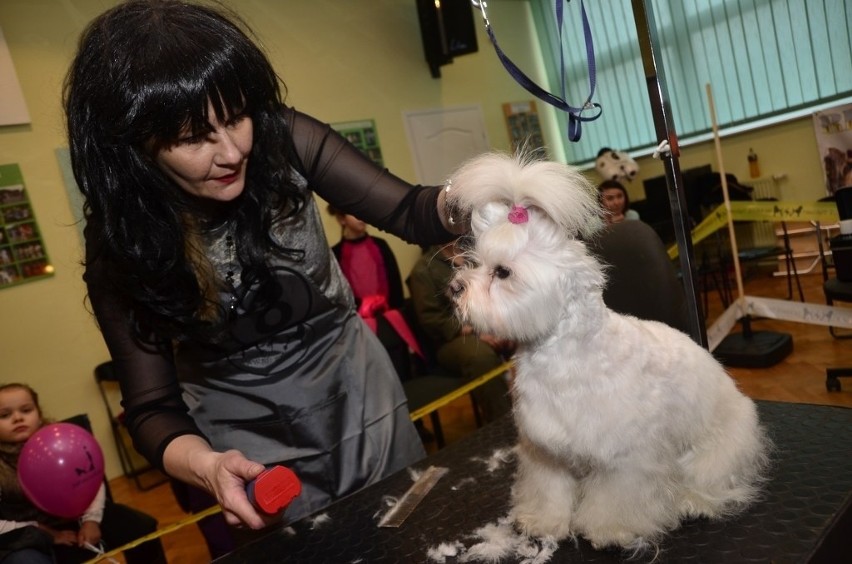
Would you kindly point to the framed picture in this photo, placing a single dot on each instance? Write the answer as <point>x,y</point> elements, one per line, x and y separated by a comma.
<point>363,135</point>
<point>523,125</point>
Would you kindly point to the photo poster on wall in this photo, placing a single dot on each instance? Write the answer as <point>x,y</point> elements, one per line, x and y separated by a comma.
<point>363,135</point>
<point>523,125</point>
<point>833,128</point>
<point>23,256</point>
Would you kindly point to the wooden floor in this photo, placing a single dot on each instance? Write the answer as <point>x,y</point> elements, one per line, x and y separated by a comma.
<point>799,378</point>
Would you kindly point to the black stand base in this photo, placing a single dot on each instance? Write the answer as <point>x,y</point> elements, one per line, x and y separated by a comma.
<point>753,349</point>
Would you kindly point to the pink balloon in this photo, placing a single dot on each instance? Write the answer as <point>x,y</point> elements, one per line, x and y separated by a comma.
<point>61,468</point>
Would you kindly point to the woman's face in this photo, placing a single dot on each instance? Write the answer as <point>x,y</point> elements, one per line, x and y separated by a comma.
<point>211,165</point>
<point>613,200</point>
<point>19,415</point>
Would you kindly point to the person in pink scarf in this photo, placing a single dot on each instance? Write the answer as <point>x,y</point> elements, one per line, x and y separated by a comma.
<point>370,267</point>
<point>367,262</point>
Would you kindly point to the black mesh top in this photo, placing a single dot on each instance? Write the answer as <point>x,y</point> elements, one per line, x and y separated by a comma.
<point>338,172</point>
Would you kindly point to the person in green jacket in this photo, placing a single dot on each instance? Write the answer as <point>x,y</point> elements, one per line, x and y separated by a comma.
<point>458,350</point>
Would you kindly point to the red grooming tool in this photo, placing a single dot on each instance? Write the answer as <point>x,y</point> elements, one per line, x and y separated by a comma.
<point>273,489</point>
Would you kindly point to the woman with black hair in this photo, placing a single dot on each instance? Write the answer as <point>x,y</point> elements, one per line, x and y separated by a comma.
<point>616,203</point>
<point>232,330</point>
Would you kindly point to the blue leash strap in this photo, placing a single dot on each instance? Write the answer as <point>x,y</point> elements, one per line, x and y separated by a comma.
<point>575,114</point>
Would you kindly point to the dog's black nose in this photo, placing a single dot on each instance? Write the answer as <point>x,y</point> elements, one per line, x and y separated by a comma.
<point>456,288</point>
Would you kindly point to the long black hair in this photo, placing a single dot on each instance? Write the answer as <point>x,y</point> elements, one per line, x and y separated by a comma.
<point>146,71</point>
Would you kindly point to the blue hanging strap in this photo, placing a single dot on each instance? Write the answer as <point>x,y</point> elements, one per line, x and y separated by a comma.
<point>575,114</point>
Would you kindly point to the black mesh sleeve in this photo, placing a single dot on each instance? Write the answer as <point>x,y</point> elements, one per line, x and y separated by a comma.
<point>350,181</point>
<point>154,411</point>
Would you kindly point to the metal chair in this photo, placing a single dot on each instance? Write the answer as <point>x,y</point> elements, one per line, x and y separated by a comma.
<point>776,251</point>
<point>837,286</point>
<point>132,463</point>
<point>835,289</point>
<point>841,291</point>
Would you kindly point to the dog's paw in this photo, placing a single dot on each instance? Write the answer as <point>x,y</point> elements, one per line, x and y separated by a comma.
<point>538,525</point>
<point>695,506</point>
<point>623,539</point>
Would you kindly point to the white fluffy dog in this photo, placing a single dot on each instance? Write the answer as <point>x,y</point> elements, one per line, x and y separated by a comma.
<point>625,426</point>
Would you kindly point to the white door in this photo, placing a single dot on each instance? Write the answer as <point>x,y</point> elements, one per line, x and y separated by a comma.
<point>443,138</point>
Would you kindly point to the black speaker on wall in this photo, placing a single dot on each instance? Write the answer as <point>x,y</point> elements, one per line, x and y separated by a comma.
<point>448,30</point>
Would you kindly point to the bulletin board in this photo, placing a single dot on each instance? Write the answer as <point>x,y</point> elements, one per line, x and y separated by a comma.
<point>523,125</point>
<point>364,136</point>
<point>23,256</point>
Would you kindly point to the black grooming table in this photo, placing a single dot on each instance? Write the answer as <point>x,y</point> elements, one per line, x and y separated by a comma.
<point>804,516</point>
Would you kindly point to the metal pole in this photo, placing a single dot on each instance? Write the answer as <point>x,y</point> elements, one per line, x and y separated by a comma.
<point>652,62</point>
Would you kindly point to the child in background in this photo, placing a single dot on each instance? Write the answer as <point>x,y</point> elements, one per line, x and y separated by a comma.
<point>32,536</point>
<point>370,268</point>
<point>367,262</point>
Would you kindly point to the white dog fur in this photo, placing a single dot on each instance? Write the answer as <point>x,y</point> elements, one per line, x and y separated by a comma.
<point>626,426</point>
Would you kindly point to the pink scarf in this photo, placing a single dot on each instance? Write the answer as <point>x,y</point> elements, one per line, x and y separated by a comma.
<point>362,264</point>
<point>373,306</point>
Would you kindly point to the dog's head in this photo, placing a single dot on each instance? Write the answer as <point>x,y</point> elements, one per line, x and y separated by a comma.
<point>525,263</point>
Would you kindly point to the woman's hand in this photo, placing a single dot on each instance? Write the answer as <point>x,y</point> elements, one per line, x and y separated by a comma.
<point>90,532</point>
<point>231,472</point>
<point>223,474</point>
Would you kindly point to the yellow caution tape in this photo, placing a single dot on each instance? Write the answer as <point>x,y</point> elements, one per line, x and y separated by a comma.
<point>772,308</point>
<point>158,533</point>
<point>823,212</point>
<point>802,312</point>
<point>720,328</point>
<point>460,391</point>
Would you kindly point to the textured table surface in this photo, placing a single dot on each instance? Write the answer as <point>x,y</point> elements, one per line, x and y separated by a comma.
<point>807,507</point>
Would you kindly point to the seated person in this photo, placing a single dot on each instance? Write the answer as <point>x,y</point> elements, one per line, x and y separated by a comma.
<point>367,262</point>
<point>28,535</point>
<point>613,197</point>
<point>459,351</point>
<point>371,269</point>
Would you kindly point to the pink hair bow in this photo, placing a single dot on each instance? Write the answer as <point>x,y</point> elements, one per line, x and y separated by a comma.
<point>518,214</point>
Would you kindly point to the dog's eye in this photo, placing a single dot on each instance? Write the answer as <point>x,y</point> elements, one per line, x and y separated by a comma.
<point>502,272</point>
